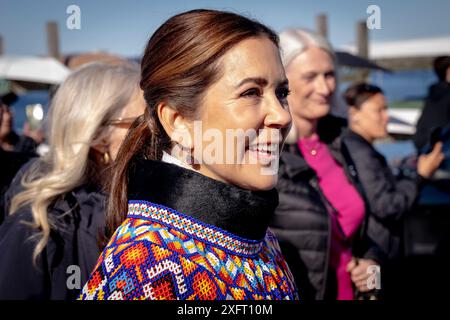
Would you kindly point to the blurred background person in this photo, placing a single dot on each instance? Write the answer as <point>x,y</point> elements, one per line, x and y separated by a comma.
<point>10,163</point>
<point>436,112</point>
<point>16,149</point>
<point>9,139</point>
<point>389,198</point>
<point>57,202</point>
<point>320,218</point>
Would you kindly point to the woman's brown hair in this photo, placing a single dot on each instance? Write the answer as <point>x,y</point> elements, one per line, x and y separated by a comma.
<point>359,93</point>
<point>179,64</point>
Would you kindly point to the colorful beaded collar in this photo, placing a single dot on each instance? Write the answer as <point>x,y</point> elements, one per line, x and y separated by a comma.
<point>139,209</point>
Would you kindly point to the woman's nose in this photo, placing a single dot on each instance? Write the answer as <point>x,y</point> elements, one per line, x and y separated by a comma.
<point>278,116</point>
<point>322,86</point>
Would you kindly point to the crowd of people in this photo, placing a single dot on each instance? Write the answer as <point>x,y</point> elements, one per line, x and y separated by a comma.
<point>128,194</point>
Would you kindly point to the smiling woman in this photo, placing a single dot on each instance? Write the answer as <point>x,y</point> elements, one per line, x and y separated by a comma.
<point>321,214</point>
<point>251,96</point>
<point>183,226</point>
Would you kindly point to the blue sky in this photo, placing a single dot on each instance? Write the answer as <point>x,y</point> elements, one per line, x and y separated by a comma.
<point>123,27</point>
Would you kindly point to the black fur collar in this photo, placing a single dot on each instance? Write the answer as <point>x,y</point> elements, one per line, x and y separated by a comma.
<point>242,212</point>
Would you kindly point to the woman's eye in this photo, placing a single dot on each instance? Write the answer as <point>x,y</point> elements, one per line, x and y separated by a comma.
<point>330,74</point>
<point>282,93</point>
<point>251,93</point>
<point>309,77</point>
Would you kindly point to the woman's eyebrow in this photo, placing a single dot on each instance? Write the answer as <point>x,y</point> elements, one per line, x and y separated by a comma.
<point>283,83</point>
<point>257,80</point>
<point>262,82</point>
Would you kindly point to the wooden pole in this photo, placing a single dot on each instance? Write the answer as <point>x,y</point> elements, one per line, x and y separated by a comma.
<point>322,25</point>
<point>362,39</point>
<point>53,39</point>
<point>362,43</point>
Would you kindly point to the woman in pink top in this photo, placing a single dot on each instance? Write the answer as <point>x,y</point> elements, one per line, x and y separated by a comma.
<point>321,213</point>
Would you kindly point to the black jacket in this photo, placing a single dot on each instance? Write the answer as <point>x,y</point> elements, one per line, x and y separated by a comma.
<point>10,163</point>
<point>301,221</point>
<point>79,217</point>
<point>389,198</point>
<point>22,143</point>
<point>435,114</point>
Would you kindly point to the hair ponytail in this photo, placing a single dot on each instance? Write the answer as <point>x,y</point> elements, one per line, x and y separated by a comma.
<point>145,140</point>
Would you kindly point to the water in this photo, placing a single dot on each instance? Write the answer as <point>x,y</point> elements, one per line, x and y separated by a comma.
<point>404,85</point>
<point>401,85</point>
<point>395,151</point>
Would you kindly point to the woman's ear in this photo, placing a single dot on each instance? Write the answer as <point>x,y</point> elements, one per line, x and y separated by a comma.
<point>100,151</point>
<point>353,114</point>
<point>177,127</point>
<point>101,145</point>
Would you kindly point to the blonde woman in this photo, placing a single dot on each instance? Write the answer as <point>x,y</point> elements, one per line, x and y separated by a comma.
<point>48,243</point>
<point>320,220</point>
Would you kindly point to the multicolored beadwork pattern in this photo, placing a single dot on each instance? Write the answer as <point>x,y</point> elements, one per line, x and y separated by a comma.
<point>160,254</point>
<point>176,220</point>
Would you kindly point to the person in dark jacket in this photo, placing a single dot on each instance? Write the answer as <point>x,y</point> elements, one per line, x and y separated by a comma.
<point>436,112</point>
<point>70,252</point>
<point>10,163</point>
<point>388,197</point>
<point>9,139</point>
<point>321,215</point>
<point>50,241</point>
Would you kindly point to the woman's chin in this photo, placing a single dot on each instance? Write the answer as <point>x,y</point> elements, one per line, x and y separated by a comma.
<point>319,111</point>
<point>382,135</point>
<point>259,182</point>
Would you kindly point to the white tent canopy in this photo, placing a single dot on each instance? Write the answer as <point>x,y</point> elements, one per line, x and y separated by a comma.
<point>33,69</point>
<point>420,47</point>
<point>403,121</point>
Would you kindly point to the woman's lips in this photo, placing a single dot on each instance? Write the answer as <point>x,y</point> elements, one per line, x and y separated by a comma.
<point>265,153</point>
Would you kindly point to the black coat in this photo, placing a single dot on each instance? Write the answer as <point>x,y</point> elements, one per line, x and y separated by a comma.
<point>389,198</point>
<point>10,163</point>
<point>79,217</point>
<point>22,143</point>
<point>302,222</point>
<point>435,114</point>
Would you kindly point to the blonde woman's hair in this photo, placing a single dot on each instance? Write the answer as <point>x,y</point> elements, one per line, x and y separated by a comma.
<point>79,111</point>
<point>294,42</point>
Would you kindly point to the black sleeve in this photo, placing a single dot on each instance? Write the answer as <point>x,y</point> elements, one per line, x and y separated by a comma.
<point>375,253</point>
<point>435,114</point>
<point>425,125</point>
<point>14,187</point>
<point>388,199</point>
<point>10,163</point>
<point>19,277</point>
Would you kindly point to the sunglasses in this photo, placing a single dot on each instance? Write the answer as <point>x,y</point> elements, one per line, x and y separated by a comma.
<point>121,122</point>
